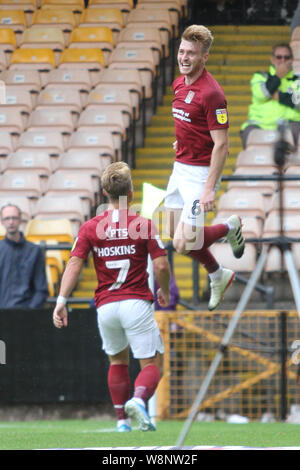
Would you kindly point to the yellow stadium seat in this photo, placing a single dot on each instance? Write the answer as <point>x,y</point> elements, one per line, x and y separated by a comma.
<point>59,229</point>
<point>101,37</point>
<point>63,3</point>
<point>38,59</point>
<point>13,19</point>
<point>27,6</point>
<point>90,59</point>
<point>8,42</point>
<point>109,17</point>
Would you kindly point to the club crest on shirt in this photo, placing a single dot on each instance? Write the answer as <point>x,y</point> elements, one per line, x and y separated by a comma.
<point>221,116</point>
<point>189,97</point>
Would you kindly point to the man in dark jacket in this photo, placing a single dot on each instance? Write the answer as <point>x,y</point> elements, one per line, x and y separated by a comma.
<point>23,281</point>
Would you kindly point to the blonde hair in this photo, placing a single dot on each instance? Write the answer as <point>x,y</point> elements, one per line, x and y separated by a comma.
<point>200,34</point>
<point>116,180</point>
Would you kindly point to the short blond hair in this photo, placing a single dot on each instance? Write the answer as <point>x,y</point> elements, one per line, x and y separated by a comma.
<point>198,33</point>
<point>116,180</point>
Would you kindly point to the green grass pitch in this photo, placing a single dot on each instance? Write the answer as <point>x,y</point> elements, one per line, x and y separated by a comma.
<point>66,434</point>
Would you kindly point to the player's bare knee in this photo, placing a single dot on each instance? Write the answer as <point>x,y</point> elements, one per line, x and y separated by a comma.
<point>180,246</point>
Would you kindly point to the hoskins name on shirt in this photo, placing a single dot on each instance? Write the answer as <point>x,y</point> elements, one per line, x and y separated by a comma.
<point>115,250</point>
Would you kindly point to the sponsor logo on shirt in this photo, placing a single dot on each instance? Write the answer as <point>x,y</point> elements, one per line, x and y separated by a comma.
<point>222,117</point>
<point>116,233</point>
<point>189,97</point>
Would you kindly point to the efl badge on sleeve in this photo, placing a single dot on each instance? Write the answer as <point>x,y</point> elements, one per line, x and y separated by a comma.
<point>222,117</point>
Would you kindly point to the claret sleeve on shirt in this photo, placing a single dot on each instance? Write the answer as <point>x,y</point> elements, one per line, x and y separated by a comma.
<point>216,111</point>
<point>82,244</point>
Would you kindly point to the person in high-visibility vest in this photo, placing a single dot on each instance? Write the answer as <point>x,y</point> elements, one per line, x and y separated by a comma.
<point>275,96</point>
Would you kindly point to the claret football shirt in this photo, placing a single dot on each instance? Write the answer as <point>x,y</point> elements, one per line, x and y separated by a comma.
<point>197,109</point>
<point>120,242</point>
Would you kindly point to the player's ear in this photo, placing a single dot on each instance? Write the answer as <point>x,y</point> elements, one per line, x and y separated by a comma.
<point>104,193</point>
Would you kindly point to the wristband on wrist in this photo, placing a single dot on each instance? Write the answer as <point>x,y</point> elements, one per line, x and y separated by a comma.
<point>62,300</point>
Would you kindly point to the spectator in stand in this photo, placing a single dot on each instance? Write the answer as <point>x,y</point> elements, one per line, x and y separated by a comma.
<point>23,282</point>
<point>275,96</point>
<point>121,241</point>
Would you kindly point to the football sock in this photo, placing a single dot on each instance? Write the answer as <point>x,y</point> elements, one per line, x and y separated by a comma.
<point>119,387</point>
<point>146,382</point>
<point>214,233</point>
<point>204,256</point>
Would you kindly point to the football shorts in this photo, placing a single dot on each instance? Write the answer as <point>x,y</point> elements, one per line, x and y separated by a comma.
<point>129,322</point>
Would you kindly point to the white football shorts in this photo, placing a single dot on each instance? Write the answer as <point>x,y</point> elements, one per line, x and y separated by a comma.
<point>129,322</point>
<point>184,189</point>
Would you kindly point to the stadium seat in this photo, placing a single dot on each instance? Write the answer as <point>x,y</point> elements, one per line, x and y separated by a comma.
<point>39,163</point>
<point>106,119</point>
<point>51,142</point>
<point>243,203</point>
<point>104,94</point>
<point>173,7</point>
<point>140,59</point>
<point>101,37</point>
<point>245,264</point>
<point>51,117</point>
<point>292,170</point>
<point>27,79</point>
<point>124,5</point>
<point>90,154</point>
<point>109,17</point>
<point>62,97</point>
<point>53,231</point>
<point>7,143</point>
<point>125,79</point>
<point>90,139</point>
<point>78,79</point>
<point>63,183</point>
<point>60,17</point>
<point>54,207</point>
<point>42,60</point>
<point>266,188</point>
<point>290,200</point>
<point>90,59</point>
<point>43,37</point>
<point>8,42</point>
<point>15,20</point>
<point>88,160</point>
<point>19,98</point>
<point>27,6</point>
<point>291,225</point>
<point>141,37</point>
<point>261,156</point>
<point>12,120</point>
<point>262,137</point>
<point>24,183</point>
<point>159,18</point>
